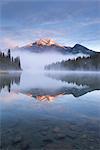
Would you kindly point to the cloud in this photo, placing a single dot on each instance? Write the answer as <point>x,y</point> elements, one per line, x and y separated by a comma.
<point>24,36</point>
<point>69,22</point>
<point>48,32</point>
<point>8,43</point>
<point>90,22</point>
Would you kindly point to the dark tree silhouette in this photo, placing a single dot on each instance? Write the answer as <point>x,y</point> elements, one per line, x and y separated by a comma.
<point>9,63</point>
<point>9,54</point>
<point>86,63</point>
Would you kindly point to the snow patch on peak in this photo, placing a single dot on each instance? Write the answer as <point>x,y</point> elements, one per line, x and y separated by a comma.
<point>46,42</point>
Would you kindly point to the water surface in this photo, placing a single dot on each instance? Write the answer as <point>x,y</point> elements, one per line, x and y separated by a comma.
<point>50,111</point>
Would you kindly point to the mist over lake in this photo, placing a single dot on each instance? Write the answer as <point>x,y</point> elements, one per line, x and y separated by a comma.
<point>65,105</point>
<point>37,61</point>
<point>49,75</point>
<point>58,108</point>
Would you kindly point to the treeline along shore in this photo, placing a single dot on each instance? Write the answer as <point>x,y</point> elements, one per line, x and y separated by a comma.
<point>90,63</point>
<point>9,63</point>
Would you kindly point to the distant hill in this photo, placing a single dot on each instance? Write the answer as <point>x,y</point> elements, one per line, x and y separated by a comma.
<point>86,63</point>
<point>7,62</point>
<point>49,45</point>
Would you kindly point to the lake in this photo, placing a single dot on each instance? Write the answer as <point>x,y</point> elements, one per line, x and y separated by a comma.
<point>50,110</point>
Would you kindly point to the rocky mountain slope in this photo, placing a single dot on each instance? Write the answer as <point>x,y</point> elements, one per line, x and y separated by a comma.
<point>49,45</point>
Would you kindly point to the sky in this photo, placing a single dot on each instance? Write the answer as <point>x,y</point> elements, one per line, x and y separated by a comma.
<point>66,21</point>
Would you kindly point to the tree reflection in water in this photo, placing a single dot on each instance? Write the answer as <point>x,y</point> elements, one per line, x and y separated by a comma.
<point>8,79</point>
<point>77,84</point>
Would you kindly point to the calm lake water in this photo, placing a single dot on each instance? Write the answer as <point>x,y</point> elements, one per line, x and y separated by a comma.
<point>50,110</point>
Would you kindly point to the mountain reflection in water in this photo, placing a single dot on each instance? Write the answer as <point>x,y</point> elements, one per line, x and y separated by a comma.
<point>76,84</point>
<point>67,122</point>
<point>86,82</point>
<point>47,97</point>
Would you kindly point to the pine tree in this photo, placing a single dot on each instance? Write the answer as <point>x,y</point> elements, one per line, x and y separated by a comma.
<point>9,54</point>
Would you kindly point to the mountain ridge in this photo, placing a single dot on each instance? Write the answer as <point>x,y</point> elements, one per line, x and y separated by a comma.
<point>49,45</point>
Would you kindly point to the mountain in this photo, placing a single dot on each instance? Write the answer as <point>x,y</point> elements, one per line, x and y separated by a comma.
<point>49,45</point>
<point>44,45</point>
<point>81,49</point>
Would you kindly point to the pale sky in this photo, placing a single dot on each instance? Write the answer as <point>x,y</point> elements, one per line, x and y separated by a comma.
<point>66,21</point>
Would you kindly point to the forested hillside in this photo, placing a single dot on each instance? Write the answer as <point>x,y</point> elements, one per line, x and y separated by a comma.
<point>7,62</point>
<point>85,63</point>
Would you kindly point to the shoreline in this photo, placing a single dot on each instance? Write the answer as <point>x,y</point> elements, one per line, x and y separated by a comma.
<point>10,71</point>
<point>71,71</point>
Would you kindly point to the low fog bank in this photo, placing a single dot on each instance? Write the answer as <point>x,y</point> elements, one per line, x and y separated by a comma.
<point>36,61</point>
<point>76,72</point>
